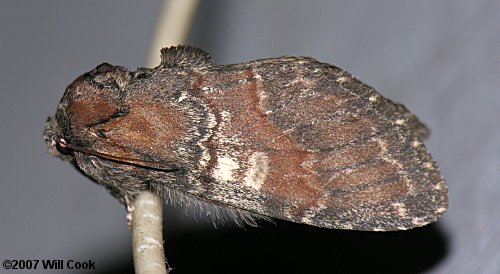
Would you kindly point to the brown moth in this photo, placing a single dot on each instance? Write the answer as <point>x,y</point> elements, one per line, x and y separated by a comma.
<point>288,138</point>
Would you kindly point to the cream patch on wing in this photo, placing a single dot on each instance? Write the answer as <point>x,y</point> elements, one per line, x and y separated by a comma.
<point>258,168</point>
<point>225,168</point>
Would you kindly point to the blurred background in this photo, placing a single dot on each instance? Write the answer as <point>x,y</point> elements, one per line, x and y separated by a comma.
<point>439,58</point>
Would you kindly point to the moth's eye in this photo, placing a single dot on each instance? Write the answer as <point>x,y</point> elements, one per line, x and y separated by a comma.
<point>62,146</point>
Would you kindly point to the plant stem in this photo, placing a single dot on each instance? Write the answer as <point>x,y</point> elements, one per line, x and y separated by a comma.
<point>147,236</point>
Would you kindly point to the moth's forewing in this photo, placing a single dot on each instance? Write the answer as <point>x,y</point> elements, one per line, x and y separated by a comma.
<point>313,145</point>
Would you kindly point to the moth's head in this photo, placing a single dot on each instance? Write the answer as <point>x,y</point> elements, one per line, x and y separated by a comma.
<point>55,142</point>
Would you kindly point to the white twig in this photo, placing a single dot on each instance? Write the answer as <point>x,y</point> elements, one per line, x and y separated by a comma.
<point>172,28</point>
<point>147,237</point>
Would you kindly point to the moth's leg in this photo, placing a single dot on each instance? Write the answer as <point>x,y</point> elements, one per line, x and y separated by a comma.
<point>130,210</point>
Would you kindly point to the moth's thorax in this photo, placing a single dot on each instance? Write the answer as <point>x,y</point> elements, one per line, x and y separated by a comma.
<point>124,120</point>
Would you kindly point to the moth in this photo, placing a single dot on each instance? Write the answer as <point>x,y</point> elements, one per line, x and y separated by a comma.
<point>289,138</point>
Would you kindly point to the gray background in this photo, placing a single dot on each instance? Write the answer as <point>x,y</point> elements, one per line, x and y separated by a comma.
<point>440,58</point>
